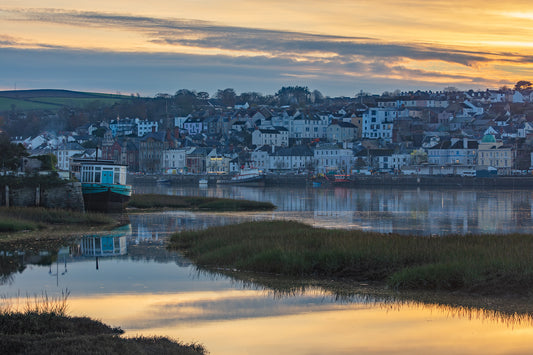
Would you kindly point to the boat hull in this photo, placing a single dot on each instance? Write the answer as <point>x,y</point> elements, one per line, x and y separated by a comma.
<point>105,197</point>
<point>256,181</point>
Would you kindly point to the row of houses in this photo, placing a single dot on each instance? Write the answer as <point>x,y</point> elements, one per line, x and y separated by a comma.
<point>156,153</point>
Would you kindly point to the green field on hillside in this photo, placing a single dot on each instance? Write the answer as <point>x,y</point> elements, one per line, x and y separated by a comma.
<point>53,99</point>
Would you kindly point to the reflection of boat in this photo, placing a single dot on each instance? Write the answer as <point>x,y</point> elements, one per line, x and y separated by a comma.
<point>103,184</point>
<point>248,176</point>
<point>163,181</point>
<point>110,244</point>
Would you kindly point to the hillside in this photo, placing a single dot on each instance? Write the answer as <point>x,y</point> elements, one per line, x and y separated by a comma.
<point>52,99</point>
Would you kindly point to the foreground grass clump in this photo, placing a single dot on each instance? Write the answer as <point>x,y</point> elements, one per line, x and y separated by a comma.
<point>21,218</point>
<point>147,201</point>
<point>16,225</point>
<point>44,328</point>
<point>487,264</point>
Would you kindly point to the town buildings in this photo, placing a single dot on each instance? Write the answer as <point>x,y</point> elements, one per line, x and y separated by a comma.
<point>415,131</point>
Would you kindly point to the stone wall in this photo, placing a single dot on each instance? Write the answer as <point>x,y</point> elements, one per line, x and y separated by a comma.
<point>68,196</point>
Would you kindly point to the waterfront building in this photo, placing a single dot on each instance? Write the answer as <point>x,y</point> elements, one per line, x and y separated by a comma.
<point>455,151</point>
<point>174,160</point>
<point>494,154</point>
<point>330,157</point>
<point>217,163</point>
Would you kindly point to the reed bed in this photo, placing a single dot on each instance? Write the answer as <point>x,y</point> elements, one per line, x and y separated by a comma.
<point>40,215</point>
<point>485,264</point>
<point>155,201</point>
<point>16,225</point>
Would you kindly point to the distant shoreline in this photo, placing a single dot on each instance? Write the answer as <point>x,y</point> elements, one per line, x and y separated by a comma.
<point>357,181</point>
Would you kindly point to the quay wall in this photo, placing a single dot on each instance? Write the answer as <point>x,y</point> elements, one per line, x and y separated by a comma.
<point>68,196</point>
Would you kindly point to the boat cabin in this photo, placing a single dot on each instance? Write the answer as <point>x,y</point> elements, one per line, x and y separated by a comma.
<point>99,171</point>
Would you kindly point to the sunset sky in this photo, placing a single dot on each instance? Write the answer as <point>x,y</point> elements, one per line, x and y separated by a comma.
<point>338,47</point>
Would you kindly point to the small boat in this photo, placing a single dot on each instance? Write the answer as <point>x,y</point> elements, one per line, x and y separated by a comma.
<point>203,182</point>
<point>247,176</point>
<point>341,178</point>
<point>163,181</point>
<point>103,184</point>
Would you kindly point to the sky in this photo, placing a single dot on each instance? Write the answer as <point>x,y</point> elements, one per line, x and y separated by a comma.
<point>338,47</point>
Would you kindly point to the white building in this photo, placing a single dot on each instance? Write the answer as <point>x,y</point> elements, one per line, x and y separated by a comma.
<point>260,158</point>
<point>64,152</point>
<point>194,125</point>
<point>173,160</point>
<point>217,163</point>
<point>278,137</point>
<point>341,132</point>
<point>179,121</point>
<point>453,152</point>
<point>145,126</point>
<point>378,123</point>
<point>330,157</point>
<point>399,161</point>
<point>294,159</point>
<point>306,126</point>
<point>122,127</point>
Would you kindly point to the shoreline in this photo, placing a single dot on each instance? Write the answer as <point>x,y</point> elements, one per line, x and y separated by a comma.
<point>356,181</point>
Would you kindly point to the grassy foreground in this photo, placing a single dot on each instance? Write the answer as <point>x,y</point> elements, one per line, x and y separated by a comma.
<point>44,328</point>
<point>15,219</point>
<point>476,264</point>
<point>212,204</point>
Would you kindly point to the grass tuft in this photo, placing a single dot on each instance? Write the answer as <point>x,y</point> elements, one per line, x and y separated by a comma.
<point>42,327</point>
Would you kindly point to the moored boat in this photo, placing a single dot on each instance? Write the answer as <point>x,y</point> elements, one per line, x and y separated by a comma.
<point>247,176</point>
<point>103,184</point>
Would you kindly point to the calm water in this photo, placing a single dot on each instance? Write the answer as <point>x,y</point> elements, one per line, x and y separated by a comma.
<point>147,290</point>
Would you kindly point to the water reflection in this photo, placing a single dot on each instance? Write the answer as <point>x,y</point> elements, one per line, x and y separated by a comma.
<point>146,289</point>
<point>405,211</point>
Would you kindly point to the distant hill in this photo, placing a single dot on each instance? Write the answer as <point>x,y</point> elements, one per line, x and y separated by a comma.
<point>52,99</point>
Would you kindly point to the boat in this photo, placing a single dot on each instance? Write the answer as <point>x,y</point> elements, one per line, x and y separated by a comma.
<point>247,176</point>
<point>341,178</point>
<point>103,184</point>
<point>163,181</point>
<point>203,182</point>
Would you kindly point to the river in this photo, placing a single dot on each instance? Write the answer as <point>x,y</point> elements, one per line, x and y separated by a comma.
<point>145,289</point>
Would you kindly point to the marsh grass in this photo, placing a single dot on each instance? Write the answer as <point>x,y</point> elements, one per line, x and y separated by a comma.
<point>484,264</point>
<point>40,325</point>
<point>155,201</point>
<point>36,304</point>
<point>16,225</point>
<point>40,215</point>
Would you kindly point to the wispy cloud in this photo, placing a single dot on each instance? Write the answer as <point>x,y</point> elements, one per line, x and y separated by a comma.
<point>177,51</point>
<point>208,35</point>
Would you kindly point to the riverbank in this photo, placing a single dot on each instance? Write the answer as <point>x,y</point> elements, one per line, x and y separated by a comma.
<point>483,265</point>
<point>38,222</point>
<point>355,181</point>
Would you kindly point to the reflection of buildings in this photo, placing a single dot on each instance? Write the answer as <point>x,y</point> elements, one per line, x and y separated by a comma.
<point>97,245</point>
<point>106,245</point>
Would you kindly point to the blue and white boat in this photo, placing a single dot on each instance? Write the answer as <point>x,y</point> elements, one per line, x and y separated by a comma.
<point>103,184</point>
